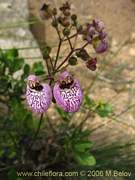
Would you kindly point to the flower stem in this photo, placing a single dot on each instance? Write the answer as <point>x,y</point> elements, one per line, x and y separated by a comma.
<point>47,65</point>
<point>58,51</point>
<point>39,126</point>
<point>36,133</point>
<point>70,44</point>
<point>68,56</point>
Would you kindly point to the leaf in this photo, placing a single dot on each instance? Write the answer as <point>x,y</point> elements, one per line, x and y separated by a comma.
<point>85,133</point>
<point>11,60</point>
<point>38,68</point>
<point>89,103</point>
<point>12,154</point>
<point>1,152</point>
<point>12,53</point>
<point>85,159</point>
<point>82,146</point>
<point>1,55</point>
<point>64,115</point>
<point>17,65</point>
<point>26,71</point>
<point>104,109</point>
<point>12,175</point>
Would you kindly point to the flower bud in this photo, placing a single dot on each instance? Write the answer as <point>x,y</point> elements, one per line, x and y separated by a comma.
<point>74,17</point>
<point>66,31</point>
<point>55,23</point>
<point>38,96</point>
<point>72,61</point>
<point>54,11</point>
<point>68,93</point>
<point>91,64</point>
<point>46,51</point>
<point>83,54</point>
<point>65,6</point>
<point>64,21</point>
<point>80,29</point>
<point>66,12</point>
<point>45,12</point>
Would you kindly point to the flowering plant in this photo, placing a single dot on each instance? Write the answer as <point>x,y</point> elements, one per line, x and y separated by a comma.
<point>66,90</point>
<point>33,140</point>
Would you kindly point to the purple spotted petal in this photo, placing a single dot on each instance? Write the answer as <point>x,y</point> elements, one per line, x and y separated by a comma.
<point>69,99</point>
<point>38,100</point>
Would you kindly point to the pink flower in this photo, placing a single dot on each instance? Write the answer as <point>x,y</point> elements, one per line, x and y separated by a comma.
<point>68,93</point>
<point>101,47</point>
<point>39,96</point>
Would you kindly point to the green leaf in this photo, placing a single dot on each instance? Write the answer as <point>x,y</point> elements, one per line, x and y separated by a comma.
<point>12,53</point>
<point>88,102</point>
<point>1,55</point>
<point>26,71</point>
<point>12,175</point>
<point>1,152</point>
<point>12,61</point>
<point>38,68</point>
<point>85,159</point>
<point>18,63</point>
<point>82,146</point>
<point>85,133</point>
<point>12,154</point>
<point>104,109</point>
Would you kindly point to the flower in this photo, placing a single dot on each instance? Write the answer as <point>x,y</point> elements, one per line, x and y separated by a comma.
<point>68,93</point>
<point>38,96</point>
<point>98,24</point>
<point>96,35</point>
<point>101,47</point>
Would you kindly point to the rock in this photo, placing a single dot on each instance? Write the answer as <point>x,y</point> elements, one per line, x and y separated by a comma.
<point>14,29</point>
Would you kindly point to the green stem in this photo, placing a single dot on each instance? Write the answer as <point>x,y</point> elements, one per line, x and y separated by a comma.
<point>36,133</point>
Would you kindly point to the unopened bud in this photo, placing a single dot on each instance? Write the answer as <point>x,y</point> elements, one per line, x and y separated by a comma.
<point>54,11</point>
<point>74,17</point>
<point>45,12</point>
<point>46,52</point>
<point>66,12</point>
<point>66,32</point>
<point>83,54</point>
<point>64,21</point>
<point>55,23</point>
<point>72,61</point>
<point>92,64</point>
